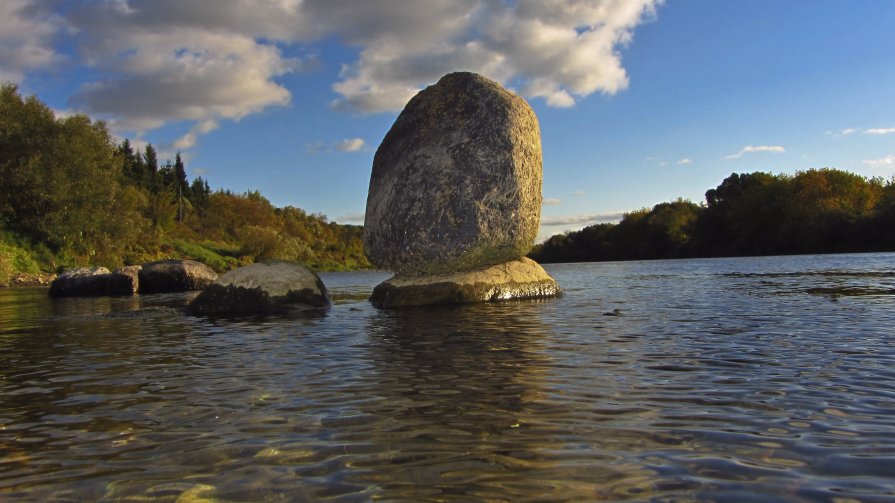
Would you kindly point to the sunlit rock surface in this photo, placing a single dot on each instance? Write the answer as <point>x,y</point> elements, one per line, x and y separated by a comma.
<point>175,276</point>
<point>517,279</point>
<point>455,198</point>
<point>456,182</point>
<point>262,288</point>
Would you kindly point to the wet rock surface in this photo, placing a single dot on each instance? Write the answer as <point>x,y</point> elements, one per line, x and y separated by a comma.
<point>517,279</point>
<point>262,288</point>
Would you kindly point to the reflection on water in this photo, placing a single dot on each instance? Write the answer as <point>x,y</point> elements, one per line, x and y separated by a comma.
<point>763,378</point>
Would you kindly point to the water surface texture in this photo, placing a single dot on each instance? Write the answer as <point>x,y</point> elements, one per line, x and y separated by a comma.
<point>762,379</point>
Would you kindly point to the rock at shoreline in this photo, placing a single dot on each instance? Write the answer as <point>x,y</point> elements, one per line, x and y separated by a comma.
<point>262,288</point>
<point>29,279</point>
<point>125,280</point>
<point>518,279</point>
<point>83,281</point>
<point>175,276</point>
<point>456,182</point>
<point>95,281</point>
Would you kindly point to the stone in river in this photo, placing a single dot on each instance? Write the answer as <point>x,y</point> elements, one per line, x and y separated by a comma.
<point>125,280</point>
<point>94,281</point>
<point>81,282</point>
<point>455,198</point>
<point>262,288</point>
<point>517,279</point>
<point>175,276</point>
<point>456,182</point>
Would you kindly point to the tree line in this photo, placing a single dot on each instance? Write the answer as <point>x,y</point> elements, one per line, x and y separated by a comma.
<point>72,195</point>
<point>814,211</point>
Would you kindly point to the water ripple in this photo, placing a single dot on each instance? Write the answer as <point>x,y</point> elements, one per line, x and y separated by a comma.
<point>712,380</point>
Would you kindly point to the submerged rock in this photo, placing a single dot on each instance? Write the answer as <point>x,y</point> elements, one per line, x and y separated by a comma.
<point>81,282</point>
<point>175,276</point>
<point>262,288</point>
<point>518,279</point>
<point>456,182</point>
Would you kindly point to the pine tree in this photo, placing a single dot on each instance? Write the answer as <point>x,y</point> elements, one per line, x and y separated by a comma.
<point>150,167</point>
<point>180,176</point>
<point>131,164</point>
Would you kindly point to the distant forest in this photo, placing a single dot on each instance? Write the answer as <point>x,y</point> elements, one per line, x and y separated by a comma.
<point>71,195</point>
<point>814,211</point>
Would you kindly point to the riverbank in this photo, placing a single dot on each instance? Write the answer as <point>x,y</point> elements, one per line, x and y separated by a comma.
<point>23,279</point>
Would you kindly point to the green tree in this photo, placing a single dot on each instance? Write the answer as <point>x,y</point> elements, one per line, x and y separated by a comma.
<point>743,215</point>
<point>60,178</point>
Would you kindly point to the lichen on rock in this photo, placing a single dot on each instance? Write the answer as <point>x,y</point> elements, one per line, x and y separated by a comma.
<point>455,198</point>
<point>262,288</point>
<point>456,183</point>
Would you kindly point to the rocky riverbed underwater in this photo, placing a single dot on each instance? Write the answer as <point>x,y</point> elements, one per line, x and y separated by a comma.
<point>728,379</point>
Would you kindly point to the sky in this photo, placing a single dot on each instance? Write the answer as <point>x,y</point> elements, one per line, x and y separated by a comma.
<point>639,101</point>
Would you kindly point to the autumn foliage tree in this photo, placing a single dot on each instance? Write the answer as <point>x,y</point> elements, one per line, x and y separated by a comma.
<point>67,187</point>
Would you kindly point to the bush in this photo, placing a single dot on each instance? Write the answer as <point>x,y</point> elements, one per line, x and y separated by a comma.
<point>205,254</point>
<point>14,258</point>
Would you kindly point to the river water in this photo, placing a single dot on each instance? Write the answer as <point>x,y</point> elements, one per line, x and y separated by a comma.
<point>762,379</point>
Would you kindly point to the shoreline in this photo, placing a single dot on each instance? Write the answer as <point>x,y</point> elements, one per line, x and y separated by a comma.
<point>24,279</point>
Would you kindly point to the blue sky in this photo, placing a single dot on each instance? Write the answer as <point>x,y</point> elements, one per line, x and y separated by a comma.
<point>639,101</point>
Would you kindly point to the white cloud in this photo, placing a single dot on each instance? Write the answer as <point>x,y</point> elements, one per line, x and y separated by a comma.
<point>550,201</point>
<point>351,218</point>
<point>162,61</point>
<point>685,161</point>
<point>26,34</point>
<point>848,131</point>
<point>889,160</point>
<point>557,50</point>
<point>583,219</point>
<point>346,145</point>
<point>880,131</point>
<point>193,76</point>
<point>579,193</point>
<point>556,225</point>
<point>189,139</point>
<point>350,145</point>
<point>748,149</point>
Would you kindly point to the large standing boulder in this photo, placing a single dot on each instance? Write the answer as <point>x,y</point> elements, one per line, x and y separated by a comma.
<point>175,276</point>
<point>456,182</point>
<point>455,198</point>
<point>262,288</point>
<point>81,282</point>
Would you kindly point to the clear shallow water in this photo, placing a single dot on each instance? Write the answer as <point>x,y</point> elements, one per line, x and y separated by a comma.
<point>756,379</point>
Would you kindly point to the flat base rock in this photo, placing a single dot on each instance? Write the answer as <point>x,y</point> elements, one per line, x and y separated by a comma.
<point>518,279</point>
<point>262,288</point>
